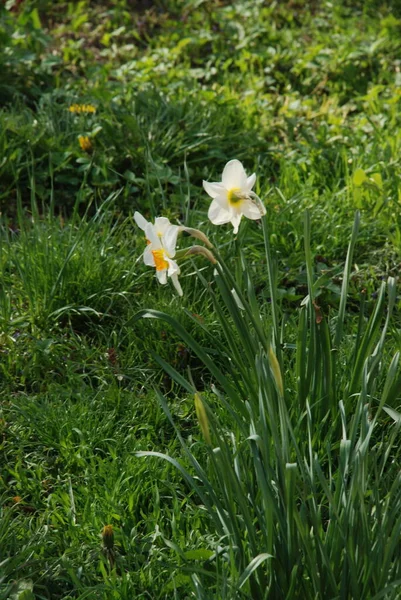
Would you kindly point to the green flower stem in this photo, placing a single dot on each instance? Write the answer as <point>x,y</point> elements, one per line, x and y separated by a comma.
<point>272,274</point>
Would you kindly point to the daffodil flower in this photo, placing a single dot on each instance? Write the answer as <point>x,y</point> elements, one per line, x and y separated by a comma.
<point>161,237</point>
<point>159,254</point>
<point>165,231</point>
<point>233,197</point>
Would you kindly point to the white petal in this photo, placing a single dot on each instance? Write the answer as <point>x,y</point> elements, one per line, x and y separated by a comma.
<point>213,188</point>
<point>152,236</point>
<point>169,239</point>
<point>177,285</point>
<point>217,213</point>
<point>251,209</point>
<point>250,182</point>
<point>162,276</point>
<point>235,220</point>
<point>148,257</point>
<point>140,220</point>
<point>258,202</point>
<point>222,201</point>
<point>234,175</point>
<point>161,225</point>
<point>173,268</point>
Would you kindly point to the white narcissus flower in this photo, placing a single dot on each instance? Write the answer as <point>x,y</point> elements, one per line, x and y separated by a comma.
<point>233,196</point>
<point>161,238</point>
<point>162,228</point>
<point>159,254</point>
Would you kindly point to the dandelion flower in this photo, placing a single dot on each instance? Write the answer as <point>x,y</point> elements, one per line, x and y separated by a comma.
<point>85,143</point>
<point>82,108</point>
<point>233,197</point>
<point>108,536</point>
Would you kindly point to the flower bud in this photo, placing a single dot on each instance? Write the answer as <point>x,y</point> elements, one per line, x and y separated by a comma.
<point>108,536</point>
<point>276,371</point>
<point>202,418</point>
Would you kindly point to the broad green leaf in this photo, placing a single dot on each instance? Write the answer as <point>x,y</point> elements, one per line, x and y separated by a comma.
<point>178,581</point>
<point>36,19</point>
<point>359,177</point>
<point>198,554</point>
<point>377,178</point>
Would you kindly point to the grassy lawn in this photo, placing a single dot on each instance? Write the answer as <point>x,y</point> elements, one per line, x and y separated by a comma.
<point>240,441</point>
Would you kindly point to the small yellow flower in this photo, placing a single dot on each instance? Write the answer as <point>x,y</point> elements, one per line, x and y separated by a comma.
<point>17,499</point>
<point>82,108</point>
<point>108,536</point>
<point>85,143</point>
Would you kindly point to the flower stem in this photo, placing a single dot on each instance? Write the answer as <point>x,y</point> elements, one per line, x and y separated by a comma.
<point>272,273</point>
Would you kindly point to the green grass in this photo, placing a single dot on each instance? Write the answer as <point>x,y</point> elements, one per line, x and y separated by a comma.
<point>302,499</point>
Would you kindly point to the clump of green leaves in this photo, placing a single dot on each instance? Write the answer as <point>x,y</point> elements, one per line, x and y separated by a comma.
<point>301,481</point>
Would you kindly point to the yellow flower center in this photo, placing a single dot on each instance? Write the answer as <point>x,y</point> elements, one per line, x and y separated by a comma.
<point>160,259</point>
<point>234,196</point>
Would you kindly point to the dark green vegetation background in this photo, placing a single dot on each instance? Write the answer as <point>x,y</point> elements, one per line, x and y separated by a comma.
<point>308,95</point>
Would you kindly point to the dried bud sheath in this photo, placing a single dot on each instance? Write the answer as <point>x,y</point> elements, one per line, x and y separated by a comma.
<point>193,250</point>
<point>196,233</point>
